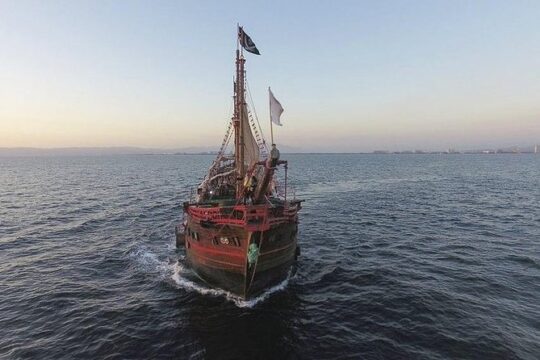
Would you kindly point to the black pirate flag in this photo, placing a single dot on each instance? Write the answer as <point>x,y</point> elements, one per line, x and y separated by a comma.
<point>246,42</point>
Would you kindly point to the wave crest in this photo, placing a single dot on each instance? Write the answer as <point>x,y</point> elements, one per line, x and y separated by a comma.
<point>189,285</point>
<point>149,262</point>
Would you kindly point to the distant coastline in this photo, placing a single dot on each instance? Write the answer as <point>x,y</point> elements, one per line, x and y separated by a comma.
<point>100,151</point>
<point>127,150</point>
<point>532,149</point>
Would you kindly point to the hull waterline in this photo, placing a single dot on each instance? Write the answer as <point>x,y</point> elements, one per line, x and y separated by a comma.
<point>220,256</point>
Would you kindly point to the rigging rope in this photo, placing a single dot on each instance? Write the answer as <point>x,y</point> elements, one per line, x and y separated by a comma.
<point>257,128</point>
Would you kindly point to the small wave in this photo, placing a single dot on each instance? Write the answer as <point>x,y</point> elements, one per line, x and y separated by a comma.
<point>522,259</point>
<point>150,262</point>
<point>189,285</point>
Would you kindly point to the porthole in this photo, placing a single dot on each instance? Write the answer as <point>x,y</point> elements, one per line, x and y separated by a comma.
<point>224,240</point>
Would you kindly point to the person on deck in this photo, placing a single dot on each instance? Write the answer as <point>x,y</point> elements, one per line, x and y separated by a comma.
<point>254,183</point>
<point>251,186</point>
<point>274,155</point>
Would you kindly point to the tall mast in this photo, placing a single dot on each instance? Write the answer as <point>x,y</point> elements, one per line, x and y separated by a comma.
<point>238,121</point>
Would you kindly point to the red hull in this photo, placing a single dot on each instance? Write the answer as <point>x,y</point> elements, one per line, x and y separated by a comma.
<point>217,241</point>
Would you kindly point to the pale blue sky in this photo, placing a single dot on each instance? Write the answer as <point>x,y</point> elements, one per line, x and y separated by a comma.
<point>351,75</point>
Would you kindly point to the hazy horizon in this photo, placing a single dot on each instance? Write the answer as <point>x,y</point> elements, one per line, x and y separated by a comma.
<point>352,77</point>
<point>132,150</point>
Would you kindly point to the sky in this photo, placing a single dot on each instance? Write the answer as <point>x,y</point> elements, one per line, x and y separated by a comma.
<point>351,75</point>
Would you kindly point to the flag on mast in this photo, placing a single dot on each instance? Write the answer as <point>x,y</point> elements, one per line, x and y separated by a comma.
<point>275,109</point>
<point>246,42</point>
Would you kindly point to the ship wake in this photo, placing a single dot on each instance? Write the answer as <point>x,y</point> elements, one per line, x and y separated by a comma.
<point>167,270</point>
<point>189,285</point>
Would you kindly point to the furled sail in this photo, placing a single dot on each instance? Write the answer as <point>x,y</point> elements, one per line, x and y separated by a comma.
<point>251,148</point>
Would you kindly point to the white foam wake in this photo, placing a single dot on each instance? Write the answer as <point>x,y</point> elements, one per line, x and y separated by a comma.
<point>189,285</point>
<point>149,262</point>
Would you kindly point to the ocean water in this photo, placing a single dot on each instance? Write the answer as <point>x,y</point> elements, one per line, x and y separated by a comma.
<point>403,257</point>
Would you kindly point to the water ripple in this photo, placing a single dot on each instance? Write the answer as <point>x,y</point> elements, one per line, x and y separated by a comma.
<point>428,257</point>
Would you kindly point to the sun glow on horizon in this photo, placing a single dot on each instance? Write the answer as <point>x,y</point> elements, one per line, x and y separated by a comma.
<point>371,76</point>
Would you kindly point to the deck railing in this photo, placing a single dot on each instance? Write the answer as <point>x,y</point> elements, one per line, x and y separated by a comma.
<point>253,217</point>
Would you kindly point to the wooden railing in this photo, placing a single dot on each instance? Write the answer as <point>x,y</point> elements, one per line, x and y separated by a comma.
<point>253,217</point>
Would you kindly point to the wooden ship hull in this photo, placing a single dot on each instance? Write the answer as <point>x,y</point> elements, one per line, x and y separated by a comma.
<point>217,248</point>
<point>240,231</point>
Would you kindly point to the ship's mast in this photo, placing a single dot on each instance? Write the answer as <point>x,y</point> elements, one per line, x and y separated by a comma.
<point>238,121</point>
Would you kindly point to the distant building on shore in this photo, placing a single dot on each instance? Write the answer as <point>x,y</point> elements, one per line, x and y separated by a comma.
<point>508,150</point>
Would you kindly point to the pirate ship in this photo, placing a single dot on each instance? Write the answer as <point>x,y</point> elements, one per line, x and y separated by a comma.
<point>240,230</point>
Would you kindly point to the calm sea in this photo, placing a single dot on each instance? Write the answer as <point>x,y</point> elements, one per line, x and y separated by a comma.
<point>403,256</point>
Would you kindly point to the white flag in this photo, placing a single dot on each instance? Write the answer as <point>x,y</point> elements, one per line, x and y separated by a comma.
<point>275,109</point>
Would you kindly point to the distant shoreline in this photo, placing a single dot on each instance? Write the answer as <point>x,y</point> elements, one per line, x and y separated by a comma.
<point>29,155</point>
<point>199,150</point>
